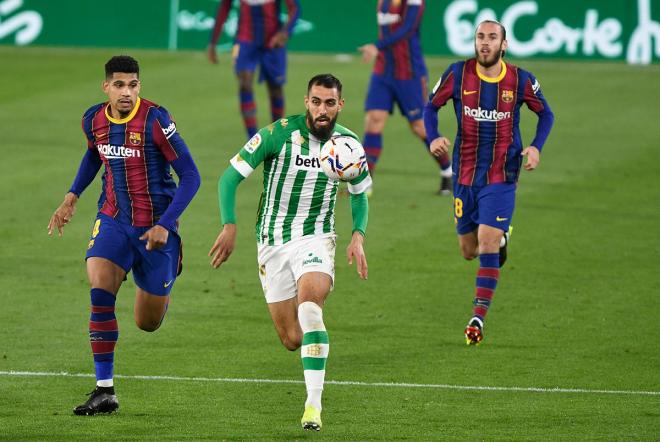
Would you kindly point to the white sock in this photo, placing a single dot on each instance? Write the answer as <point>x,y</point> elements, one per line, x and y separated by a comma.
<point>314,351</point>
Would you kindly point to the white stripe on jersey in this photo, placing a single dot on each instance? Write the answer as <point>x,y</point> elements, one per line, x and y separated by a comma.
<point>307,191</point>
<point>241,165</point>
<point>360,187</point>
<point>289,180</point>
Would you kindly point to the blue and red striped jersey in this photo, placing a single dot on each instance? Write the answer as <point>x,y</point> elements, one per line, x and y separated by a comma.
<point>136,151</point>
<point>400,50</point>
<point>488,143</point>
<point>258,20</point>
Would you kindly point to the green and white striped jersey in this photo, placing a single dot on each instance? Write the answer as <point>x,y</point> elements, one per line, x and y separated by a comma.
<point>298,199</point>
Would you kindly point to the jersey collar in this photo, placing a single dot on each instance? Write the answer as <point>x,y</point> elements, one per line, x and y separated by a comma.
<point>123,120</point>
<point>491,79</point>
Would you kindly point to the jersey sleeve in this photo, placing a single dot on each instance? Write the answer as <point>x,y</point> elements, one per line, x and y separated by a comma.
<point>167,137</point>
<point>254,152</point>
<point>293,9</point>
<point>535,101</point>
<point>220,19</point>
<point>411,21</point>
<point>440,95</point>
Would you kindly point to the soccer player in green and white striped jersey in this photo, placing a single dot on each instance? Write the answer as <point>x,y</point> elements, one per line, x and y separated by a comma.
<point>295,227</point>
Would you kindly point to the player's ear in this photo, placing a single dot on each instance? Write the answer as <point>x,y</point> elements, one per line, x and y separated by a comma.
<point>105,86</point>
<point>505,44</point>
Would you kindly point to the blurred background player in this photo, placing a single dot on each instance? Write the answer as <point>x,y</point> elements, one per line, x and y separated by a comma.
<point>399,76</point>
<point>260,40</point>
<point>136,227</point>
<point>295,227</point>
<point>488,153</point>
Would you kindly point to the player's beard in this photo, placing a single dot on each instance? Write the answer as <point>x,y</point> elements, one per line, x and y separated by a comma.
<point>483,61</point>
<point>322,133</point>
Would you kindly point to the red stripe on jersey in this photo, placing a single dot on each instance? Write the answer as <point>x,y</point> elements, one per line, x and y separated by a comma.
<point>99,347</point>
<point>245,32</point>
<point>402,62</point>
<point>470,92</point>
<point>531,99</point>
<point>110,325</point>
<point>444,92</point>
<point>507,91</point>
<point>110,204</point>
<point>137,177</point>
<point>271,20</point>
<point>163,144</point>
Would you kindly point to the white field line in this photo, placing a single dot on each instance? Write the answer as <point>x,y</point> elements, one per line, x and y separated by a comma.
<point>348,383</point>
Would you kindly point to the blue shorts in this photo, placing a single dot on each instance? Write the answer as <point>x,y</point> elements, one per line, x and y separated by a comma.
<point>271,61</point>
<point>153,270</point>
<point>491,205</point>
<point>409,95</point>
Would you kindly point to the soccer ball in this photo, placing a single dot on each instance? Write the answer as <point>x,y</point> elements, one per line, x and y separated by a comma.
<point>343,158</point>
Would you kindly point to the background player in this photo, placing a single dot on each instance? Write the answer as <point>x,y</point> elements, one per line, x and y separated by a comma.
<point>136,226</point>
<point>295,227</point>
<point>260,40</point>
<point>488,153</point>
<point>399,76</point>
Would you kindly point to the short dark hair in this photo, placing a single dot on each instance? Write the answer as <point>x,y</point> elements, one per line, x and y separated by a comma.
<point>326,80</point>
<point>122,63</point>
<point>495,22</point>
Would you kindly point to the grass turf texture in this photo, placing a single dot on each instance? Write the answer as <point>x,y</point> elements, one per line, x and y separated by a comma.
<point>573,309</point>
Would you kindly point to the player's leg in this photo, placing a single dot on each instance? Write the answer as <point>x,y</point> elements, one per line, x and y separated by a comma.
<point>377,105</point>
<point>496,203</point>
<point>154,272</point>
<point>108,258</point>
<point>313,288</point>
<point>273,71</point>
<point>285,319</point>
<point>245,63</point>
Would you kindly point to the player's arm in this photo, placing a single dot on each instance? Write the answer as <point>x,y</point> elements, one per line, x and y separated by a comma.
<point>89,167</point>
<point>411,20</point>
<point>174,149</point>
<point>220,19</point>
<point>280,38</point>
<point>442,92</point>
<point>241,166</point>
<point>534,99</point>
<point>360,214</point>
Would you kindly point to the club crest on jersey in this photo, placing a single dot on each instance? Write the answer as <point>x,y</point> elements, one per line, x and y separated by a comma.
<point>135,138</point>
<point>253,144</point>
<point>507,96</point>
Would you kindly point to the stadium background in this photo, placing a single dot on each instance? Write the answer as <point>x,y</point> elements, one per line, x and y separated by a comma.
<point>571,346</point>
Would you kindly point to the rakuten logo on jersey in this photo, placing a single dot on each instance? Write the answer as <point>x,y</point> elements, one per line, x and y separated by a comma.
<point>386,18</point>
<point>480,114</point>
<point>305,162</point>
<point>111,151</point>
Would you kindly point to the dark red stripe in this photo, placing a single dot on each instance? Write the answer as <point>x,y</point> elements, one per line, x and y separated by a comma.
<point>484,293</point>
<point>507,91</point>
<point>488,272</point>
<point>245,32</point>
<point>110,325</point>
<point>469,127</point>
<point>271,20</point>
<point>103,346</point>
<point>100,309</point>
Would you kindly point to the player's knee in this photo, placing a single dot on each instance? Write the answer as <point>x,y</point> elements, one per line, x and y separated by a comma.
<point>291,341</point>
<point>374,123</point>
<point>469,253</point>
<point>148,324</point>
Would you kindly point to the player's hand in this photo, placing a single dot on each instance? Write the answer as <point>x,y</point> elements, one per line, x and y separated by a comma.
<point>223,245</point>
<point>156,237</point>
<point>278,40</point>
<point>355,250</point>
<point>212,54</point>
<point>440,146</point>
<point>369,52</point>
<point>533,157</point>
<point>63,214</point>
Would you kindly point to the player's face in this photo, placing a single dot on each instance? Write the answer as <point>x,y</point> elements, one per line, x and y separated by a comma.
<point>122,90</point>
<point>323,106</point>
<point>488,44</point>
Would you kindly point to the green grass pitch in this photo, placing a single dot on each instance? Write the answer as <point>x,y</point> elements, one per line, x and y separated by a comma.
<point>576,307</point>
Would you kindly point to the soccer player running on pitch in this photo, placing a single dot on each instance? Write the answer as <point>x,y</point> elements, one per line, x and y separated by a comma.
<point>260,40</point>
<point>295,227</point>
<point>399,76</point>
<point>136,227</point>
<point>488,153</point>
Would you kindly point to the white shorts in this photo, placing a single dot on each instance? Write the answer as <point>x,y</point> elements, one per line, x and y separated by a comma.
<point>281,266</point>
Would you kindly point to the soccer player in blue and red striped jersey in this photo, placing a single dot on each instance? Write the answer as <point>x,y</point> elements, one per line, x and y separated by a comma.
<point>399,76</point>
<point>137,223</point>
<point>260,40</point>
<point>488,153</point>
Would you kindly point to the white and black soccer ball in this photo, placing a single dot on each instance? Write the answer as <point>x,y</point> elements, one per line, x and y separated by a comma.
<point>343,158</point>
